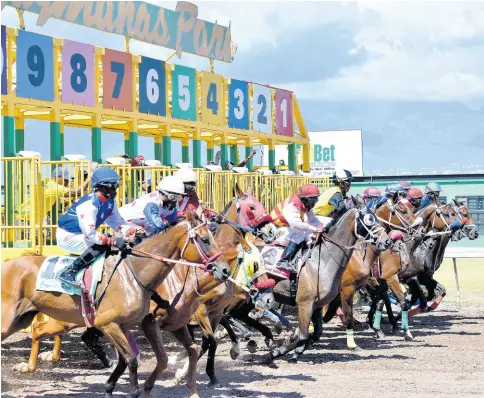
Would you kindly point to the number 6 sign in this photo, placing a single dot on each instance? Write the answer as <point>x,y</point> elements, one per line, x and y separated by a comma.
<point>152,87</point>
<point>35,66</point>
<point>78,73</point>
<point>262,109</point>
<point>183,80</point>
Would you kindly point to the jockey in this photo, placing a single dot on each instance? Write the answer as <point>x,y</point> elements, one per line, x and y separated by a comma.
<point>389,192</point>
<point>189,179</point>
<point>155,211</point>
<point>406,186</point>
<point>296,213</point>
<point>333,198</point>
<point>415,196</point>
<point>370,194</point>
<point>77,227</point>
<point>432,192</point>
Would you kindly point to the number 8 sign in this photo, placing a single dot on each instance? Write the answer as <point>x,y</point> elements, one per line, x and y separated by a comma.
<point>78,73</point>
<point>35,66</point>
<point>183,93</point>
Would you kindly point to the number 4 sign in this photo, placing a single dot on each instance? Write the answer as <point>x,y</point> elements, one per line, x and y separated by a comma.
<point>284,113</point>
<point>213,101</point>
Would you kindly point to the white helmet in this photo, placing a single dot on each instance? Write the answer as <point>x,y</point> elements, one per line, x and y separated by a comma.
<point>171,184</point>
<point>343,175</point>
<point>186,175</point>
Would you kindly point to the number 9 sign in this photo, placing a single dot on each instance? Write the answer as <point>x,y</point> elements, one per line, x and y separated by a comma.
<point>78,73</point>
<point>35,66</point>
<point>238,104</point>
<point>262,109</point>
<point>152,87</point>
<point>183,90</point>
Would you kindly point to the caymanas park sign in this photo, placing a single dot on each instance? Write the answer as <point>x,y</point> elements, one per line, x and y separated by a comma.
<point>179,30</point>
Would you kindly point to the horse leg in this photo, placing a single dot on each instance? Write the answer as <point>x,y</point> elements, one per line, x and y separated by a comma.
<point>347,295</point>
<point>332,309</point>
<point>391,318</point>
<point>91,337</point>
<point>300,341</point>
<point>396,289</point>
<point>432,285</point>
<point>126,358</point>
<point>317,320</point>
<point>212,349</point>
<point>235,350</point>
<point>152,331</point>
<point>417,289</point>
<point>254,323</point>
<point>190,370</point>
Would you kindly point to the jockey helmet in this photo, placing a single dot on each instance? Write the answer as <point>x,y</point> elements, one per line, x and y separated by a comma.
<point>415,193</point>
<point>172,187</point>
<point>406,186</point>
<point>392,188</point>
<point>106,181</point>
<point>138,160</point>
<point>186,175</point>
<point>343,175</point>
<point>309,194</point>
<point>371,193</point>
<point>433,187</point>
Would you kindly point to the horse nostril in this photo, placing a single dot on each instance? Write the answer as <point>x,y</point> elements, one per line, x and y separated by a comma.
<point>226,271</point>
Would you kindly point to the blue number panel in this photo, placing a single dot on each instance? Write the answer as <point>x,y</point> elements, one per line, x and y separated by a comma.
<point>35,66</point>
<point>238,104</point>
<point>152,86</point>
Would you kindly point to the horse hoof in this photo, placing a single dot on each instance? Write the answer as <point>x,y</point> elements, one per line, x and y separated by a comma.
<point>234,352</point>
<point>213,381</point>
<point>380,334</point>
<point>278,327</point>
<point>292,360</point>
<point>22,367</point>
<point>356,348</point>
<point>408,336</point>
<point>47,356</point>
<point>269,343</point>
<point>252,346</point>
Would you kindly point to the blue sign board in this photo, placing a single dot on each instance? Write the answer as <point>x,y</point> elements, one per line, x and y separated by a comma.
<point>152,86</point>
<point>238,104</point>
<point>179,30</point>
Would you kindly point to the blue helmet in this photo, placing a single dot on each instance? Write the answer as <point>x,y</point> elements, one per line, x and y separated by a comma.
<point>433,187</point>
<point>392,188</point>
<point>104,175</point>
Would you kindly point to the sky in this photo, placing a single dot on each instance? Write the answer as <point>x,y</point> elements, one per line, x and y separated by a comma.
<point>410,75</point>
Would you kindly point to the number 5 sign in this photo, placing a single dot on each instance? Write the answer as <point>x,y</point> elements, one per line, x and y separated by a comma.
<point>183,80</point>
<point>284,113</point>
<point>117,81</point>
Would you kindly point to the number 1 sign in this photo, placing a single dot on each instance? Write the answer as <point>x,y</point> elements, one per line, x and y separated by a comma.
<point>284,113</point>
<point>152,86</point>
<point>117,81</point>
<point>78,73</point>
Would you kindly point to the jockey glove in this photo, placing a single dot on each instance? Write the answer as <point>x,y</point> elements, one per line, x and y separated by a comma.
<point>120,243</point>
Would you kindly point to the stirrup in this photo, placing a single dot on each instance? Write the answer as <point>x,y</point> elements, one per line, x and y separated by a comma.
<point>71,282</point>
<point>287,267</point>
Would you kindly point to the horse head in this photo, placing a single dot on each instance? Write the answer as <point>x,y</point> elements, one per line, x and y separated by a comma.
<point>367,226</point>
<point>254,216</point>
<point>200,245</point>
<point>469,229</point>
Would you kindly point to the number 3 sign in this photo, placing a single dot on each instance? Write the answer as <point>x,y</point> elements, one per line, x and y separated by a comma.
<point>183,89</point>
<point>77,73</point>
<point>262,109</point>
<point>238,104</point>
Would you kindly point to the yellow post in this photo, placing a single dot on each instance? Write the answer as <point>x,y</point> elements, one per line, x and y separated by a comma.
<point>306,157</point>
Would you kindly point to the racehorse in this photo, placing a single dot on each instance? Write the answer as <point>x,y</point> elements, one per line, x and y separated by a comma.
<point>242,215</point>
<point>469,228</point>
<point>126,299</point>
<point>324,264</point>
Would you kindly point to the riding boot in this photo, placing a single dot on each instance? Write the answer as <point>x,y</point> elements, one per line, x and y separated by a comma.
<point>286,257</point>
<point>80,263</point>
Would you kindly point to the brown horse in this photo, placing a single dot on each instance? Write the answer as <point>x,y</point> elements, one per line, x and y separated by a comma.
<point>245,213</point>
<point>134,280</point>
<point>469,228</point>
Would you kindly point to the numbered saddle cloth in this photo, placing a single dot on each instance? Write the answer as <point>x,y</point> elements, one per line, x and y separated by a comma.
<point>52,267</point>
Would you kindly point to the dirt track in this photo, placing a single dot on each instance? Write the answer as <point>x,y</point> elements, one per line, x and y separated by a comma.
<point>445,359</point>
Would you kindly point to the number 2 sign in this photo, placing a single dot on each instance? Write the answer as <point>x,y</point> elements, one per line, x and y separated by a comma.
<point>117,81</point>
<point>284,113</point>
<point>183,80</point>
<point>78,73</point>
<point>35,66</point>
<point>262,109</point>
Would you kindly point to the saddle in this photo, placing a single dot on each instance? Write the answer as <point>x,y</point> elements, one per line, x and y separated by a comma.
<point>88,279</point>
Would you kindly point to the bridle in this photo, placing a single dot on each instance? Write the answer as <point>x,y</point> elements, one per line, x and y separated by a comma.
<point>469,228</point>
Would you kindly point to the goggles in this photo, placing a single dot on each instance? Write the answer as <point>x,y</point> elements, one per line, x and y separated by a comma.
<point>172,197</point>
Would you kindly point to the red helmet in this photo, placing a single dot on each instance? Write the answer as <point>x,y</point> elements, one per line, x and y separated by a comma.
<point>371,192</point>
<point>309,191</point>
<point>415,193</point>
<point>138,160</point>
<point>405,185</point>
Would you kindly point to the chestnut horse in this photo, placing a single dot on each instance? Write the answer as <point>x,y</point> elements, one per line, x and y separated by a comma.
<point>134,280</point>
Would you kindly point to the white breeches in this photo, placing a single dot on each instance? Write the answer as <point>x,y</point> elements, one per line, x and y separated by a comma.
<point>73,243</point>
<point>289,234</point>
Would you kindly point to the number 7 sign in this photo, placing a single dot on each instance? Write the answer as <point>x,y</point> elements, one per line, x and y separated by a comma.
<point>117,81</point>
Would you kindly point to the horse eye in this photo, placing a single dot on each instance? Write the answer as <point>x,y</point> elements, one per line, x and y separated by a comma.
<point>252,207</point>
<point>205,240</point>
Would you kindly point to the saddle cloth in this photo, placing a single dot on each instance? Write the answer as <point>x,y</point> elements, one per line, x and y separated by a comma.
<point>272,254</point>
